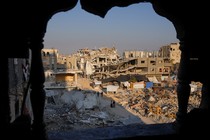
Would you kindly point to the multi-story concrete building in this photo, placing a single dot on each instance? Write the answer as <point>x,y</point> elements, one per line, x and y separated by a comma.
<point>49,59</point>
<point>141,54</point>
<point>149,66</point>
<point>142,62</point>
<point>67,62</point>
<point>154,66</point>
<point>105,62</point>
<point>172,52</point>
<point>60,70</point>
<point>91,60</point>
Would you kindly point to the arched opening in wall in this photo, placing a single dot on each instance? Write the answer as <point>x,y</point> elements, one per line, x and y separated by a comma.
<point>105,49</point>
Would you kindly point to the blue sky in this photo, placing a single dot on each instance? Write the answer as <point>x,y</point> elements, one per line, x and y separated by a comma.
<point>136,27</point>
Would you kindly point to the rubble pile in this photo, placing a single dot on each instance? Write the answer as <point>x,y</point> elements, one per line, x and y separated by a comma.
<point>81,110</point>
<point>161,106</point>
<point>63,118</point>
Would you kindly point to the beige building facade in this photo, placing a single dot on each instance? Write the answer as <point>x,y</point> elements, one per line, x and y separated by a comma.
<point>172,52</point>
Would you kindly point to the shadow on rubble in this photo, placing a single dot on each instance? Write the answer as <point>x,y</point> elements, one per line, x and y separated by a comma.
<point>197,125</point>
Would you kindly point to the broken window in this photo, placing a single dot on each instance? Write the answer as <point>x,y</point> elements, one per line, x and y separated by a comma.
<point>153,62</point>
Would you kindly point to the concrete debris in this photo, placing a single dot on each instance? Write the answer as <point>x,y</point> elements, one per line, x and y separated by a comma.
<point>94,111</point>
<point>81,109</point>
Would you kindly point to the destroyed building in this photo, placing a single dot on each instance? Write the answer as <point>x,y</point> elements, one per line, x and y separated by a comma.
<point>28,33</point>
<point>106,62</point>
<point>172,52</point>
<point>19,69</point>
<point>149,65</point>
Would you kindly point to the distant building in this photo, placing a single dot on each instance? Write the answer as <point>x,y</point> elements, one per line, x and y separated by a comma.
<point>172,52</point>
<point>63,79</point>
<point>141,54</point>
<point>49,59</point>
<point>67,62</point>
